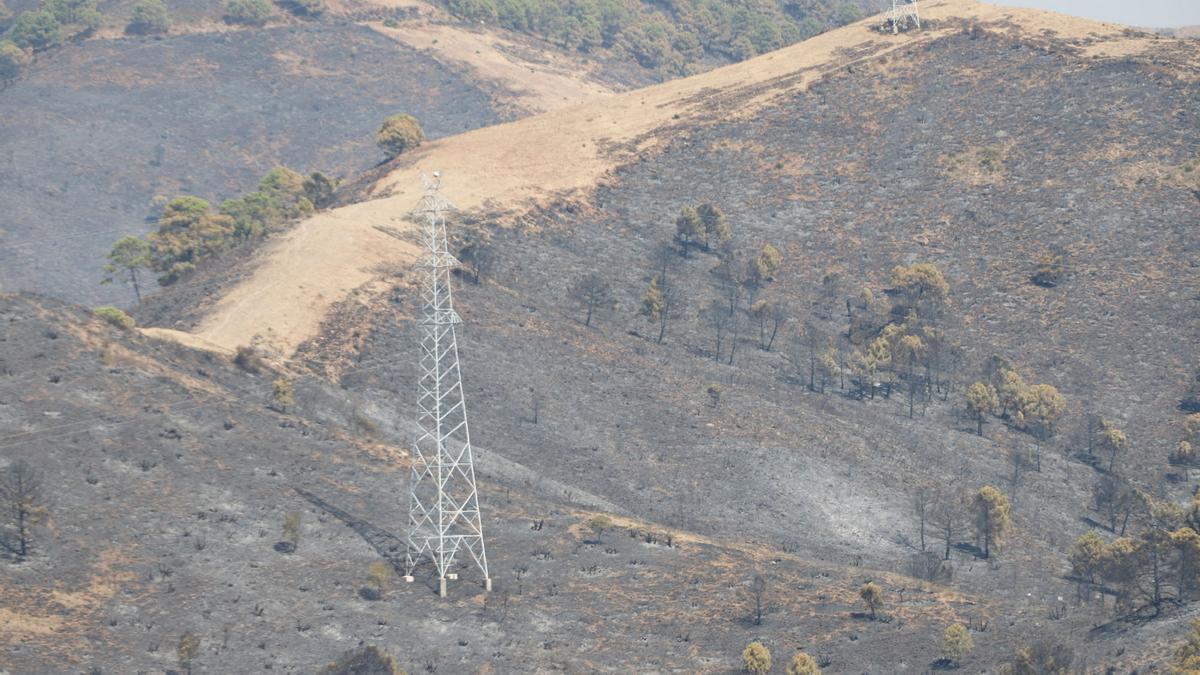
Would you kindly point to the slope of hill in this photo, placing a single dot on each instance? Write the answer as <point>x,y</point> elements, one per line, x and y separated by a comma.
<point>101,130</point>
<point>202,87</point>
<point>977,144</point>
<point>567,153</point>
<point>170,477</point>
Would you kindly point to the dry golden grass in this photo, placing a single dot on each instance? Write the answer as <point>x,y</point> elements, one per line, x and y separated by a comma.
<point>57,616</point>
<point>186,339</point>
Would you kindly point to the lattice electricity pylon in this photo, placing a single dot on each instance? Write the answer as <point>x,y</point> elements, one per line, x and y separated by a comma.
<point>903,10</point>
<point>443,515</point>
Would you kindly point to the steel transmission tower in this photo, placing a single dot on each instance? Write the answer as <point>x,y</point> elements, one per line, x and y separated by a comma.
<point>902,10</point>
<point>443,515</point>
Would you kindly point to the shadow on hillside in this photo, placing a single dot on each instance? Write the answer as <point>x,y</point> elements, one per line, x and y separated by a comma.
<point>388,545</point>
<point>864,616</point>
<point>1122,623</point>
<point>974,550</point>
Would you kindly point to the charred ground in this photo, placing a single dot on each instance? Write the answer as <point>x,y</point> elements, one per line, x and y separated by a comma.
<point>172,475</point>
<point>975,152</point>
<point>883,164</point>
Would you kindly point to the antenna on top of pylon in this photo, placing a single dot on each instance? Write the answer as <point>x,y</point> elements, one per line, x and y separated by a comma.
<point>432,203</point>
<point>434,184</point>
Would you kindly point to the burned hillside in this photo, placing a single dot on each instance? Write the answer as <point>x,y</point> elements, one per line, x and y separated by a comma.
<point>856,348</point>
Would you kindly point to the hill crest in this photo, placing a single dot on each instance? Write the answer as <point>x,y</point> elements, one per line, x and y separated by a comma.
<point>565,153</point>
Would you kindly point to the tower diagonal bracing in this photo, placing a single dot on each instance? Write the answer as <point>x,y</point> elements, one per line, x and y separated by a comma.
<point>444,522</point>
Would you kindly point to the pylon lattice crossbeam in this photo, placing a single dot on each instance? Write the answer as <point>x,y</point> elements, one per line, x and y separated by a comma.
<point>903,11</point>
<point>443,516</point>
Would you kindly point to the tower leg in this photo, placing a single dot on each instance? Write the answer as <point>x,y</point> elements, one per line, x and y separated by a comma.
<point>487,584</point>
<point>442,586</point>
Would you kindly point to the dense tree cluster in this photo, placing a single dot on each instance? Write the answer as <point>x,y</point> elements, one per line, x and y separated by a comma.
<point>672,38</point>
<point>982,400</point>
<point>36,30</point>
<point>1160,564</point>
<point>190,231</point>
<point>740,277</point>
<point>149,17</point>
<point>52,22</point>
<point>947,513</point>
<point>247,12</point>
<point>703,225</point>
<point>282,196</point>
<point>901,345</point>
<point>1035,408</point>
<point>74,13</point>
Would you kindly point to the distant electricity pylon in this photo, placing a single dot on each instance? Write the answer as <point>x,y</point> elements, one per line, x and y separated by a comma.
<point>443,514</point>
<point>903,10</point>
